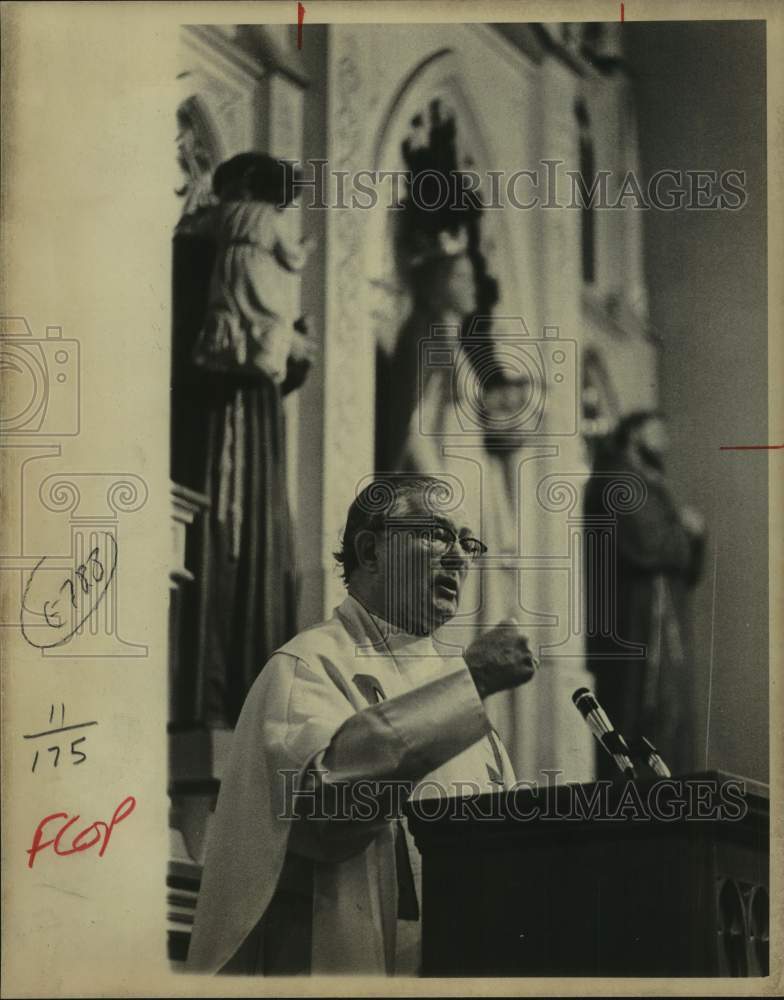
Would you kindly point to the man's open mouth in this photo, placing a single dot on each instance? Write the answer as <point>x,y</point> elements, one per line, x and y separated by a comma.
<point>449,584</point>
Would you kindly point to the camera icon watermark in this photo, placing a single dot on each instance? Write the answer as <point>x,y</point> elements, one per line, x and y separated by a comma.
<point>41,380</point>
<point>503,381</point>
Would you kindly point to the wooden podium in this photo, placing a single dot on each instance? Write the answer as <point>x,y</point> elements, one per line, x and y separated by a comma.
<point>597,880</point>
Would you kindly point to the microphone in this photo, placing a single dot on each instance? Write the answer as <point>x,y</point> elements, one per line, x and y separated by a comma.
<point>602,729</point>
<point>653,758</point>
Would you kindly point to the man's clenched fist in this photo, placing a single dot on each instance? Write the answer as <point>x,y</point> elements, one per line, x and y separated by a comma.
<point>500,659</point>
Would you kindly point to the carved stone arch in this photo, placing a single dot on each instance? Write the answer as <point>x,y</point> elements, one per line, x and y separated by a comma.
<point>199,151</point>
<point>438,78</point>
<point>202,114</point>
<point>217,100</point>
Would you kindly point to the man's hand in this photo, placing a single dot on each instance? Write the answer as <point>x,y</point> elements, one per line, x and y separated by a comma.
<point>500,659</point>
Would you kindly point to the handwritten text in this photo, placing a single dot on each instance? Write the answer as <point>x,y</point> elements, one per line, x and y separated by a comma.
<point>77,756</point>
<point>54,606</point>
<point>95,833</point>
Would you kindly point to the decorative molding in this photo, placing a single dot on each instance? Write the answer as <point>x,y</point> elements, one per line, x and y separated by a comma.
<point>215,47</point>
<point>271,46</point>
<point>574,44</point>
<point>521,38</point>
<point>186,506</point>
<point>348,359</point>
<point>551,34</point>
<point>442,76</point>
<point>284,108</point>
<point>226,82</point>
<point>197,158</point>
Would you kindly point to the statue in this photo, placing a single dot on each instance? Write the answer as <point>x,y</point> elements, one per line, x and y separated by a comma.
<point>637,641</point>
<point>443,290</point>
<point>440,262</point>
<point>251,350</point>
<point>444,417</point>
<point>252,308</point>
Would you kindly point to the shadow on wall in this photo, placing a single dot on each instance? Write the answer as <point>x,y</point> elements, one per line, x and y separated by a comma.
<point>701,91</point>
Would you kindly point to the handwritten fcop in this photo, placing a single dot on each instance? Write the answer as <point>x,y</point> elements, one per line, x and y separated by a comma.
<point>96,833</point>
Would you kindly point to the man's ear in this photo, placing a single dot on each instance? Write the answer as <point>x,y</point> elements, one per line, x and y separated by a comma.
<point>366,548</point>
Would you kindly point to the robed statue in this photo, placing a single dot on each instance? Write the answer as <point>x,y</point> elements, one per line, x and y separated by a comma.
<point>249,348</point>
<point>637,593</point>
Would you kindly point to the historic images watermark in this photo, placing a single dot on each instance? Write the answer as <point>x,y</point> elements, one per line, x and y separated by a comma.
<point>548,185</point>
<point>68,597</point>
<point>505,380</point>
<point>313,796</point>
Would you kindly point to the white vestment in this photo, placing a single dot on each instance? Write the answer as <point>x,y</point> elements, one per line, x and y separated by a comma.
<point>365,702</point>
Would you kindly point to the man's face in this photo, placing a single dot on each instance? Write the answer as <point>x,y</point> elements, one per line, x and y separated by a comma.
<point>424,566</point>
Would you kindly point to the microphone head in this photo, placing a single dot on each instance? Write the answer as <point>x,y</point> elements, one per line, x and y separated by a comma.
<point>579,693</point>
<point>584,701</point>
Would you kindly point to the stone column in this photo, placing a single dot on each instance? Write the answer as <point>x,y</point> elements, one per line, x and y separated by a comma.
<point>280,113</point>
<point>563,741</point>
<point>349,349</point>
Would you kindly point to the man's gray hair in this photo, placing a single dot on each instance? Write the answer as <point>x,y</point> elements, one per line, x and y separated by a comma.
<point>383,497</point>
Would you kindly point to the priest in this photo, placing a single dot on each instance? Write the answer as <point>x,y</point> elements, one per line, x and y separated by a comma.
<point>374,697</point>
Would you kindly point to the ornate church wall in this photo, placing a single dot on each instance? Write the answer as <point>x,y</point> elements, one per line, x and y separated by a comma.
<point>510,112</point>
<point>350,98</point>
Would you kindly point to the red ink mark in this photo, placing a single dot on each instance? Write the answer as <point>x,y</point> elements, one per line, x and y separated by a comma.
<point>621,13</point>
<point>750,447</point>
<point>300,20</point>
<point>84,840</point>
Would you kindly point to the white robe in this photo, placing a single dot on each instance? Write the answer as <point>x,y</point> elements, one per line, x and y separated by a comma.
<point>312,703</point>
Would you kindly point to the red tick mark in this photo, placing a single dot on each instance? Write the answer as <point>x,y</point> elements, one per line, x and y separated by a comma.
<point>300,20</point>
<point>621,13</point>
<point>750,447</point>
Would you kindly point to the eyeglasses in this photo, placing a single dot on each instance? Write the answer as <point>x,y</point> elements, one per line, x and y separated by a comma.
<point>440,539</point>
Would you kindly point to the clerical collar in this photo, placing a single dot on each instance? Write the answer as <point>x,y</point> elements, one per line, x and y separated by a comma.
<point>391,634</point>
<point>396,639</point>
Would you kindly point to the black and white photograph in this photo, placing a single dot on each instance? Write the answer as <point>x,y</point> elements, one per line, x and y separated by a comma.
<point>391,484</point>
<point>481,306</point>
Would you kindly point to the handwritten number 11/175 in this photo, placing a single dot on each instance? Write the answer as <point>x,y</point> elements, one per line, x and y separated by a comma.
<point>56,752</point>
<point>55,734</point>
